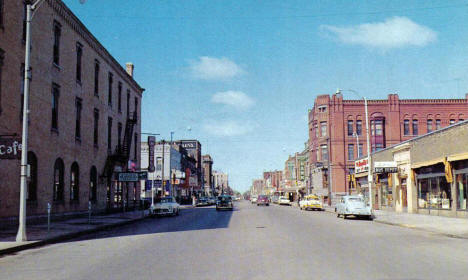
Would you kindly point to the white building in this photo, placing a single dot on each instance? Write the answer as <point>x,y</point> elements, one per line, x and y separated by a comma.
<point>220,181</point>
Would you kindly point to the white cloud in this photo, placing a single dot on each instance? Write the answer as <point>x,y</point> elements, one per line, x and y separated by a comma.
<point>237,99</point>
<point>394,32</point>
<point>212,68</point>
<point>226,128</point>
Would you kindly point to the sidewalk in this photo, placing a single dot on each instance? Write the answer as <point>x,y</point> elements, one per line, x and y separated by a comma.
<point>452,227</point>
<point>63,230</point>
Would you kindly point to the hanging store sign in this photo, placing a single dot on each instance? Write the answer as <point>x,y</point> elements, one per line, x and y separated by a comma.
<point>132,176</point>
<point>361,165</point>
<point>10,148</point>
<point>151,142</point>
<point>385,167</point>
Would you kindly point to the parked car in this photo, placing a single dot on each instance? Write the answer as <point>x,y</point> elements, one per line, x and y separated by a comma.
<point>263,200</point>
<point>211,200</point>
<point>202,201</point>
<point>224,202</point>
<point>282,200</point>
<point>353,205</point>
<point>253,199</point>
<point>274,199</point>
<point>311,202</point>
<point>165,206</point>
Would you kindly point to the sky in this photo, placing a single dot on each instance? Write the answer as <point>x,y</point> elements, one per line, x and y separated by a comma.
<point>240,75</point>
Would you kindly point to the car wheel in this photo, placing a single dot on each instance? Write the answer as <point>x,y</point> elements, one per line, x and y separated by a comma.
<point>345,216</point>
<point>337,215</point>
<point>268,204</point>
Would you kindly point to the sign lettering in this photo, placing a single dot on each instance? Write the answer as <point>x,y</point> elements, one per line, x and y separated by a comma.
<point>10,148</point>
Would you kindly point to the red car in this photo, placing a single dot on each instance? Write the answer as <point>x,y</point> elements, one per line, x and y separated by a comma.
<point>263,200</point>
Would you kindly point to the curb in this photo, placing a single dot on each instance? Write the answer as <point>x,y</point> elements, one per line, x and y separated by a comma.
<point>66,236</point>
<point>421,229</point>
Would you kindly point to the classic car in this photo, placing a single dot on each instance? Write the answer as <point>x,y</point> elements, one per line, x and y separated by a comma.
<point>253,199</point>
<point>224,202</point>
<point>311,202</point>
<point>353,205</point>
<point>202,201</point>
<point>165,206</point>
<point>282,200</point>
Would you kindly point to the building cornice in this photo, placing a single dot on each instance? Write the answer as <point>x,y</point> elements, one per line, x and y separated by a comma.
<point>76,25</point>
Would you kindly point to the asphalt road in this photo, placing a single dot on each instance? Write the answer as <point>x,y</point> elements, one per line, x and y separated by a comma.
<point>275,242</point>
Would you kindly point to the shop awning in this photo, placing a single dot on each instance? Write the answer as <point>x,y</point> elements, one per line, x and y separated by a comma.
<point>456,157</point>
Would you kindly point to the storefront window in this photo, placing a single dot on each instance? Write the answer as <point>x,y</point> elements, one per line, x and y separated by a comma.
<point>434,193</point>
<point>387,194</point>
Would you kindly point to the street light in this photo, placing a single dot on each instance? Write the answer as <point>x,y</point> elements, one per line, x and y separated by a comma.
<point>152,173</point>
<point>369,161</point>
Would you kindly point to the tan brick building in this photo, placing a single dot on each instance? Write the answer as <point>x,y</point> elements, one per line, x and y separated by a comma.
<point>84,120</point>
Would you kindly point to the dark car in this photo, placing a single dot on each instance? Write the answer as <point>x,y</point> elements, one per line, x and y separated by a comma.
<point>224,202</point>
<point>202,201</point>
<point>263,200</point>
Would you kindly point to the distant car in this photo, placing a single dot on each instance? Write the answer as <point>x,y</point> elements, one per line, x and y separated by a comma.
<point>165,206</point>
<point>224,202</point>
<point>282,200</point>
<point>253,199</point>
<point>353,205</point>
<point>211,200</point>
<point>274,199</point>
<point>311,202</point>
<point>263,200</point>
<point>202,201</point>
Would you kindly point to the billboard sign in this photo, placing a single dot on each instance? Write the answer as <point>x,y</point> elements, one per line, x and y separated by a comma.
<point>361,165</point>
<point>189,145</point>
<point>132,176</point>
<point>10,148</point>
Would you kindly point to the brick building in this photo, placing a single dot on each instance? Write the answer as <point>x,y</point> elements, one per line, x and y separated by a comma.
<point>341,125</point>
<point>84,121</point>
<point>274,177</point>
<point>208,174</point>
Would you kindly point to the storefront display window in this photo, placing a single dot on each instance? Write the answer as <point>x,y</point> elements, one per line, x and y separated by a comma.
<point>434,193</point>
<point>387,194</point>
<point>462,191</point>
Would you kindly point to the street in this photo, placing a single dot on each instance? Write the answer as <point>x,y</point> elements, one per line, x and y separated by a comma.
<point>275,242</point>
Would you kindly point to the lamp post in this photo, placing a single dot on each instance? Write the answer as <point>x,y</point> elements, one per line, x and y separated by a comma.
<point>369,160</point>
<point>151,173</point>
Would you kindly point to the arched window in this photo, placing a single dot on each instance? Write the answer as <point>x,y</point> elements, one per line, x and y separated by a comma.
<point>93,184</point>
<point>32,184</point>
<point>75,182</point>
<point>58,180</point>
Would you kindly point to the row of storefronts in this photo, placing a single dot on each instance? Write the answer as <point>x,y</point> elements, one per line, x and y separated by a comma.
<point>425,175</point>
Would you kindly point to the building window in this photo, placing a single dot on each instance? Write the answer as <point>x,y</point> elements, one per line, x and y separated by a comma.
<point>136,106</point>
<point>135,150</point>
<point>316,130</point>
<point>159,163</point>
<point>79,55</point>
<point>58,180</point>
<point>119,101</point>
<point>452,121</point>
<point>119,136</point>
<point>55,105</point>
<point>350,152</point>
<point>78,105</point>
<point>415,127</point>
<point>360,150</point>
<point>25,10</point>
<point>96,78</point>
<point>438,126</point>
<point>32,183</point>
<point>378,146</point>
<point>323,129</point>
<point>75,182</point>
<point>322,109</point>
<point>359,127</point>
<point>462,191</point>
<point>460,120</point>
<point>324,152</point>
<point>57,34</point>
<point>96,127</point>
<point>350,128</point>
<point>406,127</point>
<point>2,57</point>
<point>377,127</point>
<point>128,103</point>
<point>109,134</point>
<point>1,13</point>
<point>93,184</point>
<point>429,126</point>
<point>111,80</point>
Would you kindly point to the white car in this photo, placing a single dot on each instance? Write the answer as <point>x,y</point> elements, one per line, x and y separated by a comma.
<point>166,206</point>
<point>353,205</point>
<point>282,200</point>
<point>253,199</point>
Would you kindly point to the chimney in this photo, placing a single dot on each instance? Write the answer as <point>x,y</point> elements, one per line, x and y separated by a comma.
<point>129,67</point>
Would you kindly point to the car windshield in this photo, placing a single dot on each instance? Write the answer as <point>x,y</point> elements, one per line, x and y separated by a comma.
<point>166,199</point>
<point>224,198</point>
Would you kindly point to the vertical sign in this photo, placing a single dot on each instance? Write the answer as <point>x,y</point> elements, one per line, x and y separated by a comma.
<point>151,142</point>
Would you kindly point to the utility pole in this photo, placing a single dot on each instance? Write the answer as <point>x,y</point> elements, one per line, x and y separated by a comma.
<point>369,170</point>
<point>163,184</point>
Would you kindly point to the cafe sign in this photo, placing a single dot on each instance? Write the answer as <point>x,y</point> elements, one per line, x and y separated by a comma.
<point>10,148</point>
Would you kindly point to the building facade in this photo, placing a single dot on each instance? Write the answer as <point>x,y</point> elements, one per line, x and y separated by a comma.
<point>337,131</point>
<point>208,175</point>
<point>220,182</point>
<point>84,114</point>
<point>193,148</point>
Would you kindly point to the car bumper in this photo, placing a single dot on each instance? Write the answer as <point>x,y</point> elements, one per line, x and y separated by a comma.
<point>163,211</point>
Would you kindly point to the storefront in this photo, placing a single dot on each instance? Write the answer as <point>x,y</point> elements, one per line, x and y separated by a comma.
<point>461,185</point>
<point>434,192</point>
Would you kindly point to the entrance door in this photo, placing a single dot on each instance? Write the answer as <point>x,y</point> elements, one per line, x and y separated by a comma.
<point>404,194</point>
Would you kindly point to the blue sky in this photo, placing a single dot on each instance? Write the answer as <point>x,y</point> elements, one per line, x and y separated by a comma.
<point>239,76</point>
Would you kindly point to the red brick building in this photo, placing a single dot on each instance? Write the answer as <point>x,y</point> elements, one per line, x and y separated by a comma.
<point>84,120</point>
<point>337,131</point>
<point>275,178</point>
